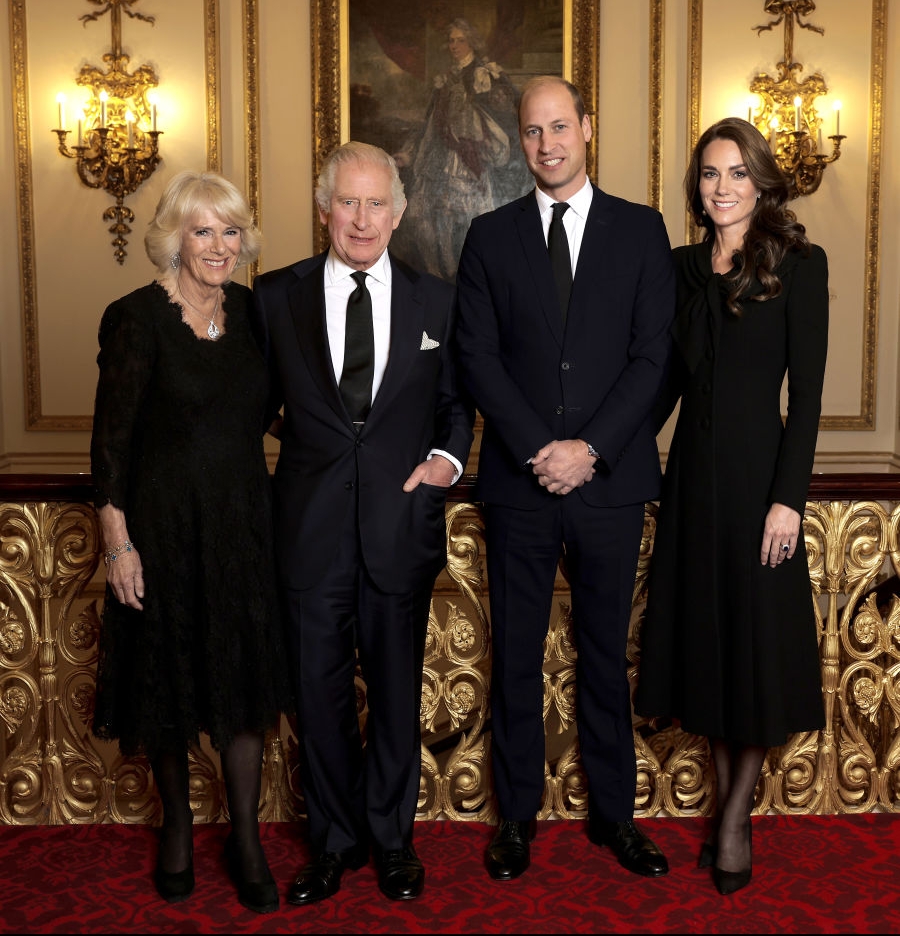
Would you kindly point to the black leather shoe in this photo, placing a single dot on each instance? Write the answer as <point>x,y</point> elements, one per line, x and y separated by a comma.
<point>401,876</point>
<point>633,849</point>
<point>509,853</point>
<point>261,896</point>
<point>321,878</point>
<point>174,887</point>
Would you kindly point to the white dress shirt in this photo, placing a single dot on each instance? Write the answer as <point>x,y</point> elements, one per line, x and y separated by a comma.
<point>339,284</point>
<point>573,220</point>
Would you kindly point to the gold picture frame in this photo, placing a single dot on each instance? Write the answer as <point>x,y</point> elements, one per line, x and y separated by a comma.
<point>331,51</point>
<point>35,417</point>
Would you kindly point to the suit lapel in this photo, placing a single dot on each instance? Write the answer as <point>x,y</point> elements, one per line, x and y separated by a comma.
<point>598,229</point>
<point>531,235</point>
<point>407,325</point>
<point>307,304</point>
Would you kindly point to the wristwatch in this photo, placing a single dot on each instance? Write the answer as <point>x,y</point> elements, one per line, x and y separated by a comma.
<point>591,450</point>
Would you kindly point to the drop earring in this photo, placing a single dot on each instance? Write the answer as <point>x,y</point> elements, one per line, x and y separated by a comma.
<point>176,259</point>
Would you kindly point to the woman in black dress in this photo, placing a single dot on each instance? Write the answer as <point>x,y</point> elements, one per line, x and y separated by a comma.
<point>729,641</point>
<point>191,639</point>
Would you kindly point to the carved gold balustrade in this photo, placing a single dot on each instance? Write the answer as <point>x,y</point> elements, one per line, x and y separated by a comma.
<point>52,770</point>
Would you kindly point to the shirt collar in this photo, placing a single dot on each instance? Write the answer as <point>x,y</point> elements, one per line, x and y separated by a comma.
<point>580,202</point>
<point>336,269</point>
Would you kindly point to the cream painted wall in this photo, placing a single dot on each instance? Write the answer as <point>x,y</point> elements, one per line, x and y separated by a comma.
<point>76,276</point>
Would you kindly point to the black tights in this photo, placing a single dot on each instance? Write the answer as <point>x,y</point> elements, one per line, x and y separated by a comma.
<point>737,772</point>
<point>241,767</point>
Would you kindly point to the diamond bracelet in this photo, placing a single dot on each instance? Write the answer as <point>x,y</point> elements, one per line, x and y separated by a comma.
<point>112,554</point>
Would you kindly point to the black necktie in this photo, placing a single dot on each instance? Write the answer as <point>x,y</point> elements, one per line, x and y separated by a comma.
<point>558,245</point>
<point>359,352</point>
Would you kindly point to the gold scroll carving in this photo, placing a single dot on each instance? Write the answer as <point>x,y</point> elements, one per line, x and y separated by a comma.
<point>53,771</point>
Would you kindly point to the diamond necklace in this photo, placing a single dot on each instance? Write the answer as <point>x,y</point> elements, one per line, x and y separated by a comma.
<point>212,331</point>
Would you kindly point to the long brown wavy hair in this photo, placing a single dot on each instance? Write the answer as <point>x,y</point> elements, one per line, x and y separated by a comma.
<point>774,228</point>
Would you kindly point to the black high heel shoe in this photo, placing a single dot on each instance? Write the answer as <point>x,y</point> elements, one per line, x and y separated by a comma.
<point>260,896</point>
<point>727,882</point>
<point>709,850</point>
<point>177,886</point>
<point>708,853</point>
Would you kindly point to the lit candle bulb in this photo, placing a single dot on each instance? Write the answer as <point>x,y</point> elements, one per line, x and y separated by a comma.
<point>773,134</point>
<point>151,98</point>
<point>797,102</point>
<point>837,118</point>
<point>153,116</point>
<point>104,97</point>
<point>129,119</point>
<point>61,105</point>
<point>80,120</point>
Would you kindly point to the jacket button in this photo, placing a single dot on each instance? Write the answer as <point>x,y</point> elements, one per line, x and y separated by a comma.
<point>704,423</point>
<point>566,365</point>
<point>348,486</point>
<point>560,410</point>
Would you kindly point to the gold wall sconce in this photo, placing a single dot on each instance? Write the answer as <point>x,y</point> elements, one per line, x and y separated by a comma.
<point>117,146</point>
<point>788,117</point>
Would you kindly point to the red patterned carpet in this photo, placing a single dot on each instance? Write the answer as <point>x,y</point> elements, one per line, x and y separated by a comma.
<point>812,875</point>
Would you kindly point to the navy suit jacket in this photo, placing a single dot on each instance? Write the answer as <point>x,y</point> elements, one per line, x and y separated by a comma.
<point>597,379</point>
<point>324,465</point>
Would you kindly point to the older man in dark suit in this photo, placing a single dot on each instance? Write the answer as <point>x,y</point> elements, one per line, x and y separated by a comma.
<point>566,297</point>
<point>374,432</point>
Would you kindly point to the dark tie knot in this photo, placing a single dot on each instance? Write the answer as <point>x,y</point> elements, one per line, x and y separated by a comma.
<point>360,278</point>
<point>559,209</point>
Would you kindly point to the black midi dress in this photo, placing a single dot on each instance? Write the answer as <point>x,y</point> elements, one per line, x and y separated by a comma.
<point>728,645</point>
<point>177,444</point>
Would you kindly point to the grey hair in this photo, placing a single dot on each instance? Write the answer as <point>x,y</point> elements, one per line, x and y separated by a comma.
<point>473,36</point>
<point>359,153</point>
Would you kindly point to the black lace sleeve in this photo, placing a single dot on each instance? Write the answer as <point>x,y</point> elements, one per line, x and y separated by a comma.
<point>126,358</point>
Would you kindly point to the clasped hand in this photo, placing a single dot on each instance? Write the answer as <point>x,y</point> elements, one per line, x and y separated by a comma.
<point>562,466</point>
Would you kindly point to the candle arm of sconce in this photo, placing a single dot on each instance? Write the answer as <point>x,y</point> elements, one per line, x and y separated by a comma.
<point>63,146</point>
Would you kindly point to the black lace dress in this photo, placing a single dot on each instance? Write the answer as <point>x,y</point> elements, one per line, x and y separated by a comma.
<point>178,445</point>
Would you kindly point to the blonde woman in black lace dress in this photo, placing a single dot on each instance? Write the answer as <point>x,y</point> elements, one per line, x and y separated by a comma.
<point>191,639</point>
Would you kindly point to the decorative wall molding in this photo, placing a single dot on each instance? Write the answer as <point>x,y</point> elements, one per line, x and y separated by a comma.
<point>35,418</point>
<point>865,418</point>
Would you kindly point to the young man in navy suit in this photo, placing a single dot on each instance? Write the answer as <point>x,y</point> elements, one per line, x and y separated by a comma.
<point>374,433</point>
<point>565,370</point>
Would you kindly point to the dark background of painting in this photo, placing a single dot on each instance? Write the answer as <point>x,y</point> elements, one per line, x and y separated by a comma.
<point>396,50</point>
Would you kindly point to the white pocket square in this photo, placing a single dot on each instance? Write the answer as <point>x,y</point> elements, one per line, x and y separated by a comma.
<point>428,343</point>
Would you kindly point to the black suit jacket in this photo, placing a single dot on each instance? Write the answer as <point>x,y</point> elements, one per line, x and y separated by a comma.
<point>324,465</point>
<point>597,379</point>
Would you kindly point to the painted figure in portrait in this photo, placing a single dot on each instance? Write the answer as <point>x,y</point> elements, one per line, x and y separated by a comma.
<point>428,86</point>
<point>466,159</point>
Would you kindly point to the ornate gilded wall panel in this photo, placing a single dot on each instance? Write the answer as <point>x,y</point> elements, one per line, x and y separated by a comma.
<point>52,770</point>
